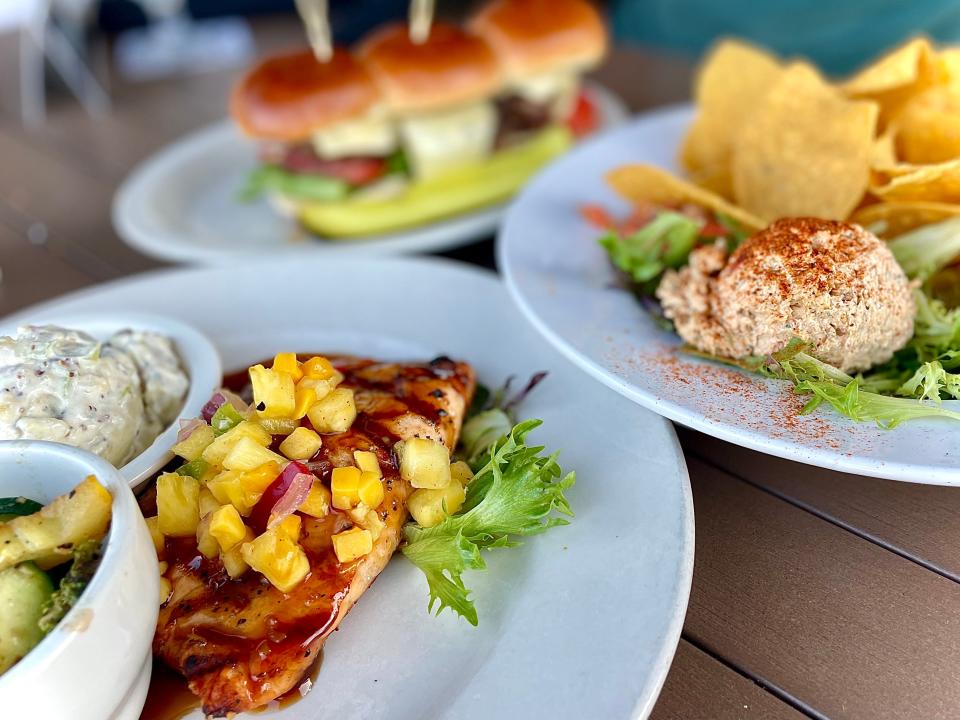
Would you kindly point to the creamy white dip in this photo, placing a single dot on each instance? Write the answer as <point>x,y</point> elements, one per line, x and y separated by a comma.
<point>112,397</point>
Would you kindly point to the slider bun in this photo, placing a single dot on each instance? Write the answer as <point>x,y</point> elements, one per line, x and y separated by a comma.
<point>538,36</point>
<point>451,67</point>
<point>288,97</point>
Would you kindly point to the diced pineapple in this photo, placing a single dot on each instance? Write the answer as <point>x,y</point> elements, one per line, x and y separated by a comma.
<point>277,558</point>
<point>287,362</point>
<point>368,519</point>
<point>290,526</point>
<point>247,454</point>
<point>227,527</point>
<point>310,391</point>
<point>233,561</point>
<point>352,544</point>
<point>192,446</point>
<point>162,566</point>
<point>335,413</point>
<point>317,503</point>
<point>208,503</point>
<point>178,505</point>
<point>367,461</point>
<point>158,540</point>
<point>255,481</point>
<point>318,368</point>
<point>273,392</point>
<point>424,463</point>
<point>206,542</point>
<point>301,444</point>
<point>430,507</point>
<point>370,489</point>
<point>228,490</point>
<point>218,449</point>
<point>165,589</point>
<point>279,426</point>
<point>460,472</point>
<point>345,486</point>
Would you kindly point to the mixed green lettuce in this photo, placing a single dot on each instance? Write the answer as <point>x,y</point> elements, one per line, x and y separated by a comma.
<point>299,186</point>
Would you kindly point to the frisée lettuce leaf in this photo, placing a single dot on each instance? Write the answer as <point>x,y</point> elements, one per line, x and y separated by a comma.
<point>517,492</point>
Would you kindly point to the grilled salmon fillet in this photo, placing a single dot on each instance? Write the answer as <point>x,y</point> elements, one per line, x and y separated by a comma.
<point>242,643</point>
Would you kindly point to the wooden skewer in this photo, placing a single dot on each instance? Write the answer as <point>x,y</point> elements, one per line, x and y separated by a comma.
<point>315,16</point>
<point>421,18</point>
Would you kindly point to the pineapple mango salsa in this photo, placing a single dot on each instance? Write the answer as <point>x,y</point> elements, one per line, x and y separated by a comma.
<point>245,487</point>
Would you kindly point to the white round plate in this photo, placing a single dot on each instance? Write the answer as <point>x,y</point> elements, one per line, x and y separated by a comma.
<point>197,353</point>
<point>580,622</point>
<point>565,285</point>
<point>181,205</point>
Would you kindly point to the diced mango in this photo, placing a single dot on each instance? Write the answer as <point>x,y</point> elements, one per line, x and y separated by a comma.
<point>178,505</point>
<point>206,542</point>
<point>460,472</point>
<point>345,486</point>
<point>277,558</point>
<point>310,391</point>
<point>247,454</point>
<point>319,368</point>
<point>233,561</point>
<point>279,426</point>
<point>335,413</point>
<point>352,544</point>
<point>290,526</point>
<point>273,392</point>
<point>430,507</point>
<point>370,489</point>
<point>367,461</point>
<point>317,503</point>
<point>192,446</point>
<point>424,463</point>
<point>208,503</point>
<point>255,481</point>
<point>158,540</point>
<point>227,527</point>
<point>287,362</point>
<point>218,449</point>
<point>301,444</point>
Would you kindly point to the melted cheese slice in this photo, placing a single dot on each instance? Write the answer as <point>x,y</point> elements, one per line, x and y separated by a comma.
<point>373,134</point>
<point>558,89</point>
<point>437,142</point>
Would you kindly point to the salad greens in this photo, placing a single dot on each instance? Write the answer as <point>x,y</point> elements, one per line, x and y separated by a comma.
<point>272,178</point>
<point>517,490</point>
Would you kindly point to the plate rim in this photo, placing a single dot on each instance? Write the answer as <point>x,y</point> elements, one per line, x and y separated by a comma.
<point>819,457</point>
<point>683,577</point>
<point>443,234</point>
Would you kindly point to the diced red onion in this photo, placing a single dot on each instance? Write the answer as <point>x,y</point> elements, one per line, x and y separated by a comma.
<point>235,400</point>
<point>262,511</point>
<point>213,404</point>
<point>187,427</point>
<point>293,498</point>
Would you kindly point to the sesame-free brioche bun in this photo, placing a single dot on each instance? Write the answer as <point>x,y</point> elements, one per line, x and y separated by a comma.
<point>450,67</point>
<point>288,97</point>
<point>537,36</point>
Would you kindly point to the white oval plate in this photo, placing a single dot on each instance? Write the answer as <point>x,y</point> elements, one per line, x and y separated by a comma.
<point>197,353</point>
<point>181,205</point>
<point>580,622</point>
<point>565,285</point>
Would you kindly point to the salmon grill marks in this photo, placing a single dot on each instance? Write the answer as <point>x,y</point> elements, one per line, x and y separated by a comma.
<point>242,643</point>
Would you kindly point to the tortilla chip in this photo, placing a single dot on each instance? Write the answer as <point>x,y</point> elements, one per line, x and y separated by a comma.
<point>805,150</point>
<point>950,62</point>
<point>732,79</point>
<point>884,152</point>
<point>907,182</point>
<point>897,77</point>
<point>928,126</point>
<point>890,219</point>
<point>641,184</point>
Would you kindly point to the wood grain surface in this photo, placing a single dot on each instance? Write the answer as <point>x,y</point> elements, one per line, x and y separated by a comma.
<point>815,594</point>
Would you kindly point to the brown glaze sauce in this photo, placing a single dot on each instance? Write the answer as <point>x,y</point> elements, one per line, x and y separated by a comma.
<point>314,605</point>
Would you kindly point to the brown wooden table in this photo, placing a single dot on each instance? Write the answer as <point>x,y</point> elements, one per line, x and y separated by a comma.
<point>814,593</point>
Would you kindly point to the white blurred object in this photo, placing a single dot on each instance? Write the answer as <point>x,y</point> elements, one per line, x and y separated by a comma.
<point>175,43</point>
<point>41,40</point>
